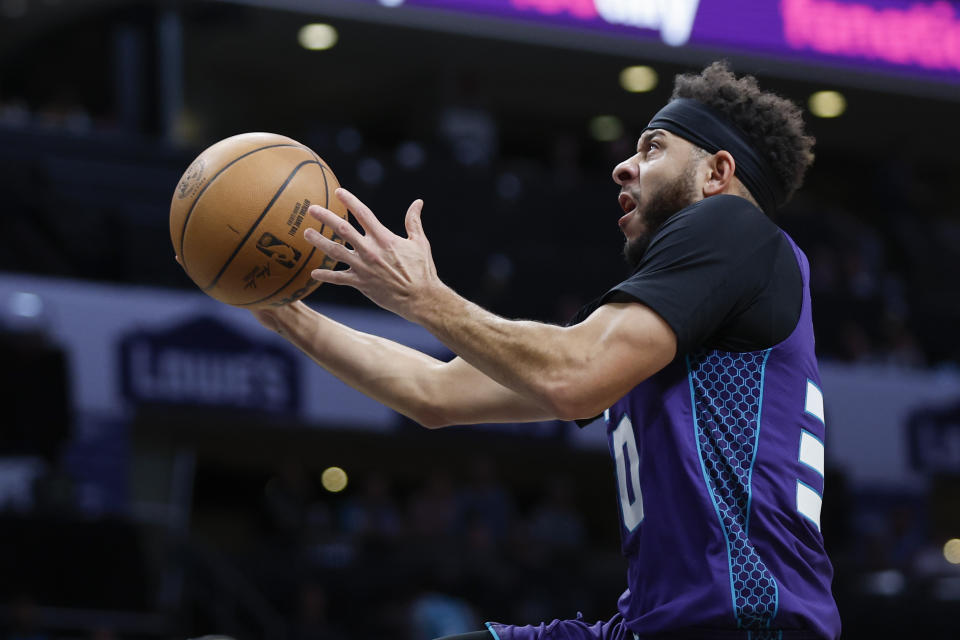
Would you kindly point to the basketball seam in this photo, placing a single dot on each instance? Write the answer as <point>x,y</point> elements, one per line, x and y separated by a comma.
<point>257,222</point>
<point>326,187</point>
<point>326,192</point>
<point>183,233</point>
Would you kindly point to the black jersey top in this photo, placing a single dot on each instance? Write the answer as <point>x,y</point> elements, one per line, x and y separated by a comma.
<point>721,274</point>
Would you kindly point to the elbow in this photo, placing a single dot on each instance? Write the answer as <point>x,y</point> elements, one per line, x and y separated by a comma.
<point>574,411</point>
<point>422,401</point>
<point>569,401</point>
<point>429,416</point>
<point>428,421</point>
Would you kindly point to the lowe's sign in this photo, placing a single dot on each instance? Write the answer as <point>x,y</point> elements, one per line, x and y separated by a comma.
<point>204,361</point>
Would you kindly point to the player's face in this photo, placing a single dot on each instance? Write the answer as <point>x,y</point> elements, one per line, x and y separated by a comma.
<point>655,183</point>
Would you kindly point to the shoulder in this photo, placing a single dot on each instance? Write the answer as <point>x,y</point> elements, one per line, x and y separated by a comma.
<point>696,255</point>
<point>716,218</point>
<point>713,267</point>
<point>717,231</point>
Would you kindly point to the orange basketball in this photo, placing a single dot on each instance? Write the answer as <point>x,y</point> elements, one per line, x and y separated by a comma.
<point>238,214</point>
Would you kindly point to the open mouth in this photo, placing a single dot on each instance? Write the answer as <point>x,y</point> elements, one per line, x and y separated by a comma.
<point>627,203</point>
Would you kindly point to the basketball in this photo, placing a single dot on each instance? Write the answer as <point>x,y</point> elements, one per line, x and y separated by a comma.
<point>238,214</point>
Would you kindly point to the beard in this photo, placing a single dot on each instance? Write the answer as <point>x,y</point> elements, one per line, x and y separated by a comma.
<point>659,207</point>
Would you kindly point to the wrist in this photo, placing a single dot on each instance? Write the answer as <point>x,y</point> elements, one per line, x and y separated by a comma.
<point>281,319</point>
<point>432,303</point>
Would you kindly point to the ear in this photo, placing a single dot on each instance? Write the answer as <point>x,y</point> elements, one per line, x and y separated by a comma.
<point>721,167</point>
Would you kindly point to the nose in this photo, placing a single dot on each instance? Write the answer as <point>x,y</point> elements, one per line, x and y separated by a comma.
<point>625,171</point>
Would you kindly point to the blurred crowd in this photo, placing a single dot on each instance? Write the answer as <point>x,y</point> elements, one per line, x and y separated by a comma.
<point>433,553</point>
<point>438,559</point>
<point>881,240</point>
<point>879,273</point>
<point>437,556</point>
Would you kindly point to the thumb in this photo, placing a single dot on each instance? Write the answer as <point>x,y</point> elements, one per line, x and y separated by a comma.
<point>413,222</point>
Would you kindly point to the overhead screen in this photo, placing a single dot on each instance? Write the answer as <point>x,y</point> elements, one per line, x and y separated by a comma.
<point>920,39</point>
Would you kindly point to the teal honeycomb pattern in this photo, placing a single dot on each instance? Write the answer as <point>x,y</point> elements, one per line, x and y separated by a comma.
<point>727,390</point>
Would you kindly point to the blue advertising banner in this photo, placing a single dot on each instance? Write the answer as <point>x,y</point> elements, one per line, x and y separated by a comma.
<point>204,361</point>
<point>127,346</point>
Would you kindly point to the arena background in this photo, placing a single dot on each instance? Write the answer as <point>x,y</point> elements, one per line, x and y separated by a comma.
<point>162,457</point>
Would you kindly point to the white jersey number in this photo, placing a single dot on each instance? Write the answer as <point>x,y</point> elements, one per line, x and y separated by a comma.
<point>628,470</point>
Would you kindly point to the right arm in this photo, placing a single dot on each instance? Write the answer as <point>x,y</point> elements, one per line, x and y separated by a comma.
<point>423,388</point>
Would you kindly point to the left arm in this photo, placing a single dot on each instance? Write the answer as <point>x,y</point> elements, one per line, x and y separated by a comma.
<point>576,371</point>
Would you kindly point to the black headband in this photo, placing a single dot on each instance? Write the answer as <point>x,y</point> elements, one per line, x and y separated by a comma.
<point>697,123</point>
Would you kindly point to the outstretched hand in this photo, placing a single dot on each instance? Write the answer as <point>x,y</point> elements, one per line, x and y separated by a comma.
<point>396,273</point>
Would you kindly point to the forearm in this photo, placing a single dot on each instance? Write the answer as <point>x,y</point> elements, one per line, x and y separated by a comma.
<point>533,358</point>
<point>575,372</point>
<point>391,373</point>
<point>428,390</point>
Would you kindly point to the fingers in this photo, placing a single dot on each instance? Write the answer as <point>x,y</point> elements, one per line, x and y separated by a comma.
<point>413,221</point>
<point>347,277</point>
<point>341,227</point>
<point>364,215</point>
<point>333,249</point>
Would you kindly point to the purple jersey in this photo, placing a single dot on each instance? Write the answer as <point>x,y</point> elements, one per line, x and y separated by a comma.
<point>719,461</point>
<point>719,457</point>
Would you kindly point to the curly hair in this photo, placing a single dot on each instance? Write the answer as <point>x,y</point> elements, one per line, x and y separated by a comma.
<point>773,124</point>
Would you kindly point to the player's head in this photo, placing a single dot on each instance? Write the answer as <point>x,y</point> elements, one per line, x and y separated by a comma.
<point>718,134</point>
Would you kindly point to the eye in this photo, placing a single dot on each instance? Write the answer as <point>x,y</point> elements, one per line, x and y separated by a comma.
<point>648,145</point>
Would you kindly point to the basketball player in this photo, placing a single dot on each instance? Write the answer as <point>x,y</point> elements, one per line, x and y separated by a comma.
<point>701,362</point>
